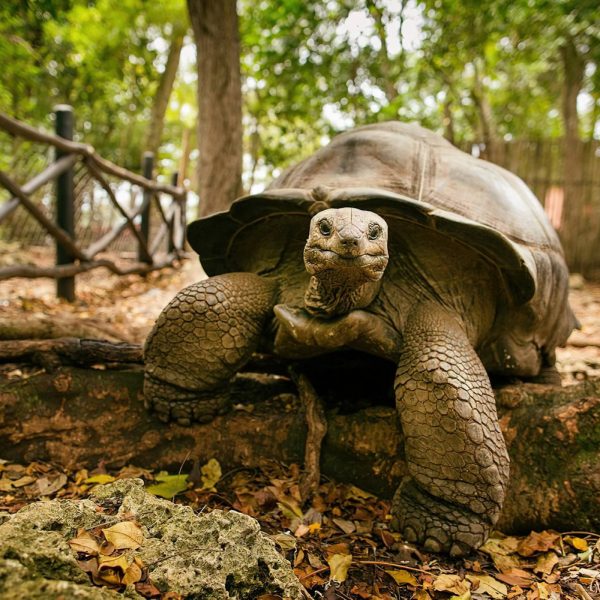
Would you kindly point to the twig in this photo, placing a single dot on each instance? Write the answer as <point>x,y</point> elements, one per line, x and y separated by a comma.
<point>307,575</point>
<point>183,462</point>
<point>382,563</point>
<point>317,428</point>
<point>581,592</point>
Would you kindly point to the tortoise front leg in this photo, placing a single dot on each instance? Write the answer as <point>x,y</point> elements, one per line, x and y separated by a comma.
<point>455,451</point>
<point>200,340</point>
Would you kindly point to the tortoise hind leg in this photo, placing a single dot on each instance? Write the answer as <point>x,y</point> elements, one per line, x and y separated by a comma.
<point>455,451</point>
<point>200,340</point>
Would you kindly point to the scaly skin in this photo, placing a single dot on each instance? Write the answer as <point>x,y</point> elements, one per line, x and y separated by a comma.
<point>200,340</point>
<point>454,447</point>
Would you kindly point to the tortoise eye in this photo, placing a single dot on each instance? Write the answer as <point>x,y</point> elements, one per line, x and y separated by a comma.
<point>374,231</point>
<point>325,227</point>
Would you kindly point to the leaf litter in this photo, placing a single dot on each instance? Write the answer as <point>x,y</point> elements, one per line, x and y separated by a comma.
<point>340,544</point>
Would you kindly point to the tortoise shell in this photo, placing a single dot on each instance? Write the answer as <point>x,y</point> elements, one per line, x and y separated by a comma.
<point>401,172</point>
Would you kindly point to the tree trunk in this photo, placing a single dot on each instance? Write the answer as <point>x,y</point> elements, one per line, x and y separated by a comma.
<point>448,121</point>
<point>573,73</point>
<point>185,157</point>
<point>215,26</point>
<point>487,128</point>
<point>163,93</point>
<point>76,417</point>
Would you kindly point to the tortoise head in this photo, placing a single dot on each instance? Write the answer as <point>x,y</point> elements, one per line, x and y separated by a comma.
<point>349,242</point>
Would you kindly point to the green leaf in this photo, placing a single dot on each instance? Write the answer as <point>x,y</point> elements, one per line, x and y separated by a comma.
<point>102,478</point>
<point>169,486</point>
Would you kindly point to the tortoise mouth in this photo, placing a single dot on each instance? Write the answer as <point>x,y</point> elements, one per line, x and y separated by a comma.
<point>371,266</point>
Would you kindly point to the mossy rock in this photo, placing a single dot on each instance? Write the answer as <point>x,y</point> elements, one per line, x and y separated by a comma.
<point>215,556</point>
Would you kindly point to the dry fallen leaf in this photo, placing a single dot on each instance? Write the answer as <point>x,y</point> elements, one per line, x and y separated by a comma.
<point>6,485</point>
<point>125,535</point>
<point>485,584</point>
<point>314,561</point>
<point>132,575</point>
<point>339,565</point>
<point>538,542</point>
<point>346,526</point>
<point>543,591</point>
<point>114,562</point>
<point>339,548</point>
<point>308,578</point>
<point>109,577</point>
<point>577,543</point>
<point>211,473</point>
<point>358,494</point>
<point>285,541</point>
<point>545,563</point>
<point>500,545</point>
<point>85,542</point>
<point>301,530</point>
<point>451,583</point>
<point>89,566</point>
<point>23,481</point>
<point>516,577</point>
<point>500,553</point>
<point>46,486</point>
<point>147,589</point>
<point>401,577</point>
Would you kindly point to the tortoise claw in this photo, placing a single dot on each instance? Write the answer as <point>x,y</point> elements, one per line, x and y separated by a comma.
<point>171,403</point>
<point>437,526</point>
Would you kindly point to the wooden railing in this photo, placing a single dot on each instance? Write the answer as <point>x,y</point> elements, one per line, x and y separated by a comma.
<point>72,257</point>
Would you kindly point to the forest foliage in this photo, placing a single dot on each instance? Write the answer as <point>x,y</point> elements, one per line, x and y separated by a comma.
<point>474,71</point>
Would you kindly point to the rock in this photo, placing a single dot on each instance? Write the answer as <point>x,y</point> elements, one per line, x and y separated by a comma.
<point>216,556</point>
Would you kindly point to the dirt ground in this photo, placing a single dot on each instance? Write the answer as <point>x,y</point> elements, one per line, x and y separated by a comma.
<point>128,306</point>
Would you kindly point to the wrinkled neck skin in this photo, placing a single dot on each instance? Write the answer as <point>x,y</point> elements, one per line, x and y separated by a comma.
<point>346,255</point>
<point>335,292</point>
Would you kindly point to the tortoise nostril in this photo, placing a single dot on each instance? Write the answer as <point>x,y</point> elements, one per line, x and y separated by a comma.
<point>349,242</point>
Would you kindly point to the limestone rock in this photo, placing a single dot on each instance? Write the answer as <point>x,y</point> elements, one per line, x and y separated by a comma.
<point>216,556</point>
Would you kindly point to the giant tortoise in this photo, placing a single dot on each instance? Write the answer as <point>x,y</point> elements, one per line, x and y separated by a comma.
<point>416,252</point>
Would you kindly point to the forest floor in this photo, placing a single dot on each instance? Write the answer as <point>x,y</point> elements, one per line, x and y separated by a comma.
<point>341,545</point>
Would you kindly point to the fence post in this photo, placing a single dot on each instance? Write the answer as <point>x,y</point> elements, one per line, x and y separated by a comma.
<point>147,172</point>
<point>65,202</point>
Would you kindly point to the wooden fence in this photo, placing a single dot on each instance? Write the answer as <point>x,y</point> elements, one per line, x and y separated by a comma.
<point>571,200</point>
<point>86,213</point>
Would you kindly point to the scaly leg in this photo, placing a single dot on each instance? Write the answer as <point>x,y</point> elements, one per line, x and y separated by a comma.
<point>200,340</point>
<point>454,447</point>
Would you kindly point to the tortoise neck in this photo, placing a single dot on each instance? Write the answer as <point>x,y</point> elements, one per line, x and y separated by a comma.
<point>330,296</point>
